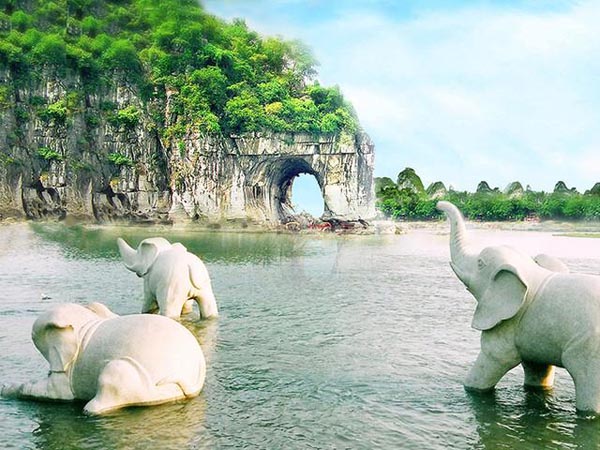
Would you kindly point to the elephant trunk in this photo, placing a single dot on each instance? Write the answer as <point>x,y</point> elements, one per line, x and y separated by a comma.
<point>128,254</point>
<point>463,259</point>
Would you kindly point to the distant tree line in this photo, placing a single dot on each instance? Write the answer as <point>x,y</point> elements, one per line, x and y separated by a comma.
<point>222,77</point>
<point>408,199</point>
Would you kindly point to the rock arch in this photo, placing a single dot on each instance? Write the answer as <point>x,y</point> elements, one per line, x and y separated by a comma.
<point>270,185</point>
<point>250,176</point>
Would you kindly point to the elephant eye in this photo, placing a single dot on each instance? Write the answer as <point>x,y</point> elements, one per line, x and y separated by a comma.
<point>480,264</point>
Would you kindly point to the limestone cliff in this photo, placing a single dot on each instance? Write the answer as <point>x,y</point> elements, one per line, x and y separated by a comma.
<point>99,156</point>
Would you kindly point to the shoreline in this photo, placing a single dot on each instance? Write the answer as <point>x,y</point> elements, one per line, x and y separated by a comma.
<point>545,226</point>
<point>563,228</point>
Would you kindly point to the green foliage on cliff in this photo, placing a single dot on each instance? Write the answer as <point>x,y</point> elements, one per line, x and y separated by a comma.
<point>49,154</point>
<point>220,77</point>
<point>490,205</point>
<point>120,160</point>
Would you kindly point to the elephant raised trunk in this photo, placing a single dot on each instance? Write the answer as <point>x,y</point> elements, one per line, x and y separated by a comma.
<point>463,259</point>
<point>128,254</point>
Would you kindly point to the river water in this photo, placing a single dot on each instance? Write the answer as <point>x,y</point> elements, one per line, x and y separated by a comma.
<point>324,342</point>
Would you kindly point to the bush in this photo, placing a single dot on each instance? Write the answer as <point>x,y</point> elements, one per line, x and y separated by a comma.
<point>406,204</point>
<point>127,117</point>
<point>56,112</point>
<point>20,20</point>
<point>118,159</point>
<point>51,49</point>
<point>228,78</point>
<point>49,154</point>
<point>121,54</point>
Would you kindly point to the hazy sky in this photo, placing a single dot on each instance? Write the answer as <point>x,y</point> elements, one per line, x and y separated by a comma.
<point>462,91</point>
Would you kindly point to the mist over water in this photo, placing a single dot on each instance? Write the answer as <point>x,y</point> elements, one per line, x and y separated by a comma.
<point>323,342</point>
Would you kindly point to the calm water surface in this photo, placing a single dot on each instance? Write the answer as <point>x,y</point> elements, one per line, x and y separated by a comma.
<point>323,342</point>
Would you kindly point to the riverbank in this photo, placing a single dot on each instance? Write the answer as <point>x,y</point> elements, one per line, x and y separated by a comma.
<point>552,226</point>
<point>563,228</point>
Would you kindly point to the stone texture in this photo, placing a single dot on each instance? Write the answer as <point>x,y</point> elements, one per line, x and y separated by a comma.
<point>251,176</point>
<point>484,188</point>
<point>595,190</point>
<point>561,188</point>
<point>514,190</point>
<point>408,179</point>
<point>195,176</point>
<point>528,310</point>
<point>436,190</point>
<point>383,183</point>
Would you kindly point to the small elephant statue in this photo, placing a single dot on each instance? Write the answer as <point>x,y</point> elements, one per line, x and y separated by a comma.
<point>113,361</point>
<point>531,312</point>
<point>172,276</point>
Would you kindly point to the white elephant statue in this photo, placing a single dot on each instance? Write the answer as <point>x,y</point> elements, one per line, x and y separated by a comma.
<point>172,276</point>
<point>530,312</point>
<point>113,361</point>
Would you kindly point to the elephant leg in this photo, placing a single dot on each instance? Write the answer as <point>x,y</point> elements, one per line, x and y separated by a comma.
<point>55,387</point>
<point>123,382</point>
<point>207,305</point>
<point>150,305</point>
<point>188,307</point>
<point>586,377</point>
<point>170,301</point>
<point>538,375</point>
<point>487,371</point>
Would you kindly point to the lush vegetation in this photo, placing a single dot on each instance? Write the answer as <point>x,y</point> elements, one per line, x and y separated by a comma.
<point>222,77</point>
<point>489,205</point>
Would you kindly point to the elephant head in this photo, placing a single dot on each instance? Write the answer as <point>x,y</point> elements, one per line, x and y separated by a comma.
<point>140,260</point>
<point>499,277</point>
<point>56,333</point>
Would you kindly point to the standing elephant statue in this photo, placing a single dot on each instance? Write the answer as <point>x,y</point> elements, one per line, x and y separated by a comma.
<point>113,361</point>
<point>530,312</point>
<point>172,276</point>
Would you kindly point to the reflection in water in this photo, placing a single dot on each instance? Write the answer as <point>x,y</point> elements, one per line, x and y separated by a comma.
<point>63,426</point>
<point>323,342</point>
<point>100,242</point>
<point>526,418</point>
<point>205,331</point>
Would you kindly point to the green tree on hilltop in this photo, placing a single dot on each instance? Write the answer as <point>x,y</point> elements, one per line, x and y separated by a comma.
<point>227,77</point>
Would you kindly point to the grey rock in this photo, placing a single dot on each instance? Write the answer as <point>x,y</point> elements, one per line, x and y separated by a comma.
<point>195,176</point>
<point>514,190</point>
<point>436,190</point>
<point>408,179</point>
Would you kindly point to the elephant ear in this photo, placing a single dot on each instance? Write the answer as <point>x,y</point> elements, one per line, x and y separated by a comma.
<point>63,347</point>
<point>140,260</point>
<point>58,342</point>
<point>101,310</point>
<point>147,252</point>
<point>551,263</point>
<point>503,298</point>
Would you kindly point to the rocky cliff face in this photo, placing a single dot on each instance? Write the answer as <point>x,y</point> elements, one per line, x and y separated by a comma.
<point>99,155</point>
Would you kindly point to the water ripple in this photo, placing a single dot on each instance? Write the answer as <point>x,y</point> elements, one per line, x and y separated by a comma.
<point>324,343</point>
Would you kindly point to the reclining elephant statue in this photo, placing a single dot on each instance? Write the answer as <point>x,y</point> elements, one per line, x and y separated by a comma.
<point>113,361</point>
<point>530,312</point>
<point>172,276</point>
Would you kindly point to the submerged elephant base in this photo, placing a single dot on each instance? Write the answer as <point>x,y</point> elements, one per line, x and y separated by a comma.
<point>113,362</point>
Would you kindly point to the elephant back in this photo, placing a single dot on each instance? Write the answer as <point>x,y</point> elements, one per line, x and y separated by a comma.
<point>164,348</point>
<point>543,328</point>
